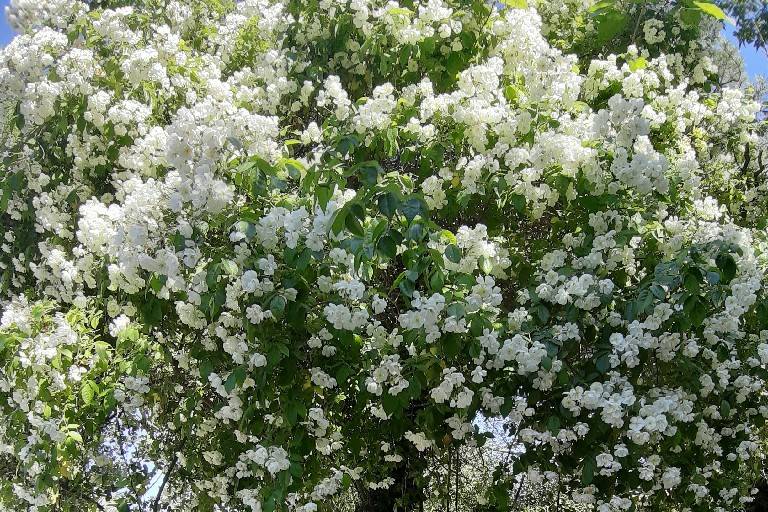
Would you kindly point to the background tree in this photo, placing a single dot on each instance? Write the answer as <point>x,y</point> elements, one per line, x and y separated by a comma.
<point>751,18</point>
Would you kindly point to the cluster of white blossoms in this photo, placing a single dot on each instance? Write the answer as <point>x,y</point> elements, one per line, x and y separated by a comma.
<point>301,247</point>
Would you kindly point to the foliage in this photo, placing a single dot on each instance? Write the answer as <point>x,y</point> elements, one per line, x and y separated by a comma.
<point>259,255</point>
<point>751,20</point>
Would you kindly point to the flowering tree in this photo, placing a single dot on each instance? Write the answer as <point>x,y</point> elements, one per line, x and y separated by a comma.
<point>259,253</point>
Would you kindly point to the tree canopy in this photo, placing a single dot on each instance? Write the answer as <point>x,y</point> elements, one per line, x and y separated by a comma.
<point>259,254</point>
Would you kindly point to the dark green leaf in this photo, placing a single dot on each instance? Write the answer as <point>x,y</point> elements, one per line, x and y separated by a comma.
<point>369,172</point>
<point>411,208</point>
<point>603,363</point>
<point>277,305</point>
<point>323,193</point>
<point>727,265</point>
<point>339,220</point>
<point>354,226</point>
<point>453,253</point>
<point>388,204</point>
<point>387,247</point>
<point>206,368</point>
<point>553,424</point>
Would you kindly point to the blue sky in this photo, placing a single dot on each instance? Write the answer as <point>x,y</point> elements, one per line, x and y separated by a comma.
<point>756,62</point>
<point>6,34</point>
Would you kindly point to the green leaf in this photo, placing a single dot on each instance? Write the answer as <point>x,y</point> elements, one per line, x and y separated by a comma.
<point>88,390</point>
<point>258,183</point>
<point>323,194</point>
<point>277,305</point>
<point>603,5</point>
<point>516,4</point>
<point>347,144</point>
<point>212,275</point>
<point>152,311</point>
<point>235,378</point>
<point>603,363</point>
<point>451,344</point>
<point>343,373</point>
<point>391,403</point>
<point>388,204</point>
<point>610,24</point>
<point>690,17</point>
<point>297,470</point>
<point>711,9</point>
<point>437,281</point>
<point>414,386</point>
<point>369,172</point>
<point>142,362</point>
<point>415,231</point>
<point>456,310</point>
<point>407,287</point>
<point>102,350</point>
<point>387,247</point>
<point>553,424</point>
<point>339,220</point>
<point>638,63</point>
<point>453,253</point>
<point>206,368</point>
<point>455,62</point>
<point>725,408</point>
<point>400,11</point>
<point>696,310</point>
<point>354,226</point>
<point>75,436</point>
<point>390,143</point>
<point>727,266</point>
<point>294,410</point>
<point>691,282</point>
<point>230,267</point>
<point>235,142</point>
<point>293,167</point>
<point>411,208</point>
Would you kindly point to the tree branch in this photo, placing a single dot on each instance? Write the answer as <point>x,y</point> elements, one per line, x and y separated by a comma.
<point>166,476</point>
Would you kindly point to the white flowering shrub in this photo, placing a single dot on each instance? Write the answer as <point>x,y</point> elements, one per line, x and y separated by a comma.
<point>259,254</point>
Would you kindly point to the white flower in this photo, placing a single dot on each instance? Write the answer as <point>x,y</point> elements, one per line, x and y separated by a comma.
<point>118,325</point>
<point>671,478</point>
<point>250,281</point>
